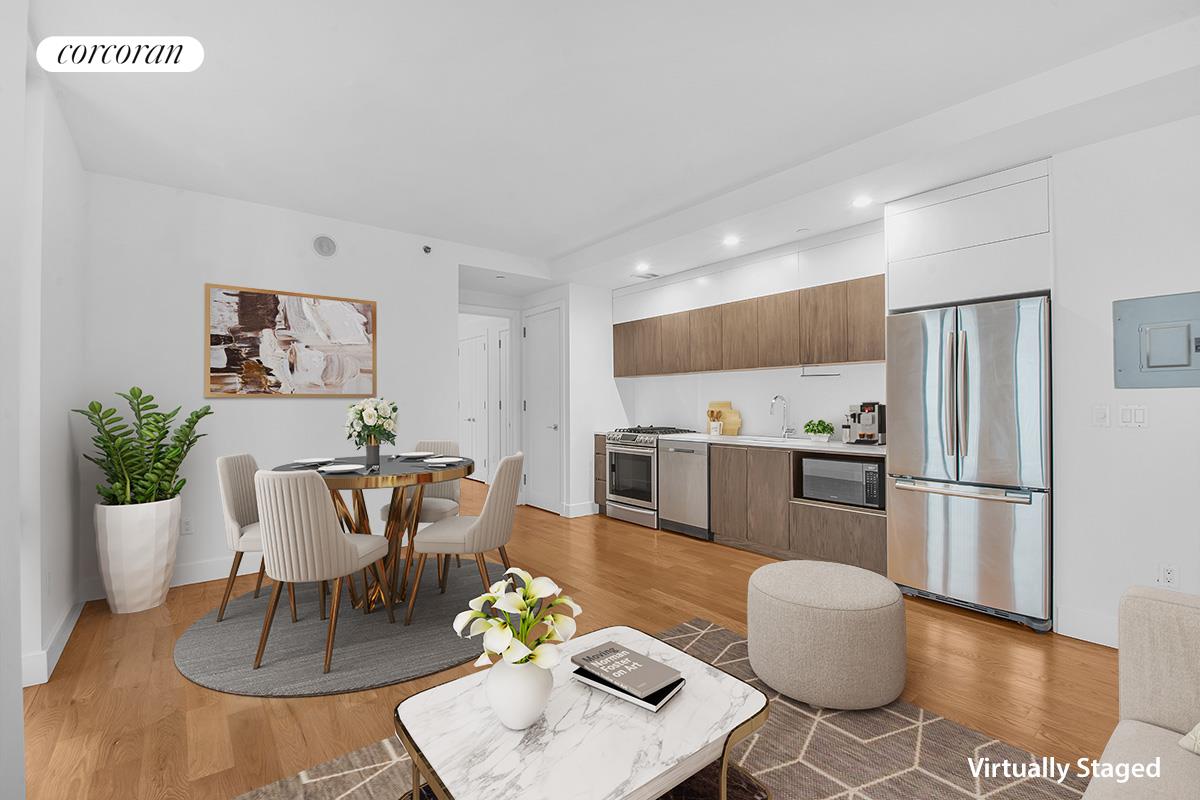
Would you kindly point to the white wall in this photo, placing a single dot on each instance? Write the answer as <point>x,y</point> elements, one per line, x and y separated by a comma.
<point>594,403</point>
<point>13,43</point>
<point>1126,213</point>
<point>52,371</point>
<point>681,400</point>
<point>152,249</point>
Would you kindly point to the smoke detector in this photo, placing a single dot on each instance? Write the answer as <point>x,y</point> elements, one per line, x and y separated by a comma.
<point>645,276</point>
<point>324,245</point>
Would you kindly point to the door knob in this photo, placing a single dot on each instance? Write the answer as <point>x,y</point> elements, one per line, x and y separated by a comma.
<point>553,427</point>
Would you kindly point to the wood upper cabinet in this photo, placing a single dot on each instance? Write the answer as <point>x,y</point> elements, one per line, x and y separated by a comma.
<point>675,338</point>
<point>706,338</point>
<point>823,324</point>
<point>778,330</point>
<point>647,346</point>
<point>768,491</point>
<point>865,319</point>
<point>831,324</point>
<point>624,361</point>
<point>727,493</point>
<point>739,334</point>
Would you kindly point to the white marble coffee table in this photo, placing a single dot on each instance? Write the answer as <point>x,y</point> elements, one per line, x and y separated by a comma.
<point>589,745</point>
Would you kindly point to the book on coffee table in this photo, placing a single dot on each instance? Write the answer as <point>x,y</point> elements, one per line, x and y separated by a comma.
<point>651,702</point>
<point>635,674</point>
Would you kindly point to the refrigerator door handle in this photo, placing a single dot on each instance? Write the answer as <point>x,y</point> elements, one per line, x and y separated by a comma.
<point>961,392</point>
<point>1013,496</point>
<point>949,400</point>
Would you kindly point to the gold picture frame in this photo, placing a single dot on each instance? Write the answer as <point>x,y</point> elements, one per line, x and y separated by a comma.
<point>274,343</point>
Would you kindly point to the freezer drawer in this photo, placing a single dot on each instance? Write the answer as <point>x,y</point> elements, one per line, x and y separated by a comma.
<point>986,547</point>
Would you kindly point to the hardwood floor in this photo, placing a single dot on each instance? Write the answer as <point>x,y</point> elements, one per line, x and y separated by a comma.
<point>118,721</point>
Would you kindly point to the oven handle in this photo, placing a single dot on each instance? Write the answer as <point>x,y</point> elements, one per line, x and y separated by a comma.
<point>632,451</point>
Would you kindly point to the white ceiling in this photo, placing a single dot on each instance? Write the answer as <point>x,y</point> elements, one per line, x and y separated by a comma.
<point>481,279</point>
<point>542,127</point>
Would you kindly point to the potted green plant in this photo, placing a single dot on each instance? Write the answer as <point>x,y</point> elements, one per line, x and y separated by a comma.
<point>137,518</point>
<point>818,430</point>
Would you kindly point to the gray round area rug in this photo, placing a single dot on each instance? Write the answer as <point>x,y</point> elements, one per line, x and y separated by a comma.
<point>368,651</point>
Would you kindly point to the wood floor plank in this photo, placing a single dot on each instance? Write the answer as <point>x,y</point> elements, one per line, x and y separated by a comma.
<point>118,721</point>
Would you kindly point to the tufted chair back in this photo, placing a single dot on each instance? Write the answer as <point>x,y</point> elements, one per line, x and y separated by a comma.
<point>493,529</point>
<point>446,447</point>
<point>302,540</point>
<point>235,481</point>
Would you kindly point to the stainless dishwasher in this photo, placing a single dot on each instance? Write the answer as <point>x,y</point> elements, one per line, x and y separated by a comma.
<point>683,487</point>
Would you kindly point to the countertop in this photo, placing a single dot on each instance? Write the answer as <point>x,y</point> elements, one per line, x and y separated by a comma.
<point>876,451</point>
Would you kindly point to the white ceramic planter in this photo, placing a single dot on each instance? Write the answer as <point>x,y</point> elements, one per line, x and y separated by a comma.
<point>518,693</point>
<point>136,545</point>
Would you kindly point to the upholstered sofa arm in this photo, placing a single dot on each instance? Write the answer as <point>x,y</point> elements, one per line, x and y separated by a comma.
<point>1160,658</point>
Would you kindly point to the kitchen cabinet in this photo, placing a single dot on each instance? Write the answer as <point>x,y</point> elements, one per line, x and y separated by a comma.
<point>647,346</point>
<point>865,319</point>
<point>778,330</point>
<point>675,342</point>
<point>706,332</point>
<point>823,324</point>
<point>624,360</point>
<point>727,492</point>
<point>768,490</point>
<point>600,470</point>
<point>831,324</point>
<point>739,334</point>
<point>828,532</point>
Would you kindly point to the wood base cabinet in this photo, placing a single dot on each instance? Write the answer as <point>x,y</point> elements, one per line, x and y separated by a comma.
<point>727,492</point>
<point>825,532</point>
<point>748,497</point>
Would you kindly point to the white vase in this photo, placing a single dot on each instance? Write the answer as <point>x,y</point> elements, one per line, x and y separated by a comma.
<point>136,545</point>
<point>518,693</point>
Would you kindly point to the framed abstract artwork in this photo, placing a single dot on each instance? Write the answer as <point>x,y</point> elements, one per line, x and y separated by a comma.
<point>264,343</point>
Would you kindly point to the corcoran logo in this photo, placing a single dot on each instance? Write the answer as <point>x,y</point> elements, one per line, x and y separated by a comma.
<point>120,54</point>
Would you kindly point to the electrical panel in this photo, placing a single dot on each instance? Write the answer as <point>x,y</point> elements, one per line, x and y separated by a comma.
<point>1156,342</point>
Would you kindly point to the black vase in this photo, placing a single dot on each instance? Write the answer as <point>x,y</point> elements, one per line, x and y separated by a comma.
<point>372,455</point>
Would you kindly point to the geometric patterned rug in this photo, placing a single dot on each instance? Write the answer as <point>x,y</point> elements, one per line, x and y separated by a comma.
<point>898,752</point>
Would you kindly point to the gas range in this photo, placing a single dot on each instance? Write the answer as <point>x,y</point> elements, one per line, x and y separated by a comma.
<point>642,435</point>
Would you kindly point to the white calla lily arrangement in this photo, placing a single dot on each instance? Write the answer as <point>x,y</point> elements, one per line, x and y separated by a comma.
<point>520,625</point>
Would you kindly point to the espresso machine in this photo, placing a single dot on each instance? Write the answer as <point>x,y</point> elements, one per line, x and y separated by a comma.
<point>865,424</point>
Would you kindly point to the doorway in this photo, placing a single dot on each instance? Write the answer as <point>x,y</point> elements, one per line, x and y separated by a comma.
<point>484,384</point>
<point>542,406</point>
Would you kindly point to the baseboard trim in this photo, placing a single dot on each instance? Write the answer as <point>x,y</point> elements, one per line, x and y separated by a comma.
<point>210,569</point>
<point>580,509</point>
<point>37,667</point>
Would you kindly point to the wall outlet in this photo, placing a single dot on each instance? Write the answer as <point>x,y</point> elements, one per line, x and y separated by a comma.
<point>188,530</point>
<point>1168,575</point>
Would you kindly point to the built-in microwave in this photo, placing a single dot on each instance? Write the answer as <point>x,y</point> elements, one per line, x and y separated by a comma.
<point>849,481</point>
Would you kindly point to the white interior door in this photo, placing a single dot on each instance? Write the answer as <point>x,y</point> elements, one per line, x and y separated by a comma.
<point>542,403</point>
<point>472,400</point>
<point>502,435</point>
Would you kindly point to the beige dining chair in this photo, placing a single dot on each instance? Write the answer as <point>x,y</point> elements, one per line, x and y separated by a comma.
<point>439,500</point>
<point>456,536</point>
<point>303,542</point>
<point>235,482</point>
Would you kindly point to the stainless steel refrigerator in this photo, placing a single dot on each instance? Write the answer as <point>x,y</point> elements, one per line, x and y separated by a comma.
<point>968,395</point>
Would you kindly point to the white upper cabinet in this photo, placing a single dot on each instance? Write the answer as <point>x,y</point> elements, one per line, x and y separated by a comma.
<point>981,238</point>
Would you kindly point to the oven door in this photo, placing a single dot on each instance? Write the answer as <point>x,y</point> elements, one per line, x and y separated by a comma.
<point>633,475</point>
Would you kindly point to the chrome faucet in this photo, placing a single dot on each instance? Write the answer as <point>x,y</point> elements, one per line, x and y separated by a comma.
<point>786,430</point>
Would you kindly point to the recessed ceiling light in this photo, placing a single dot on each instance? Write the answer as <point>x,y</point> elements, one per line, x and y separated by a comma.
<point>642,266</point>
<point>732,240</point>
<point>862,201</point>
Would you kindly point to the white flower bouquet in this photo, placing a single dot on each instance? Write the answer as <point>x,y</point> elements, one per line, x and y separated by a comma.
<point>520,626</point>
<point>371,421</point>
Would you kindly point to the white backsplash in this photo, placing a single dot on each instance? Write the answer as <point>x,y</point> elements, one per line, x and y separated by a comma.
<point>682,400</point>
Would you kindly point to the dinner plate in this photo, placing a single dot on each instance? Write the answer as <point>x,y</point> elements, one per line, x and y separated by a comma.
<point>415,454</point>
<point>312,460</point>
<point>341,468</point>
<point>443,460</point>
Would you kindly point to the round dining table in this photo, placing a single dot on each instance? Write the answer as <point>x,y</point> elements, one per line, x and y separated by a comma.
<point>407,478</point>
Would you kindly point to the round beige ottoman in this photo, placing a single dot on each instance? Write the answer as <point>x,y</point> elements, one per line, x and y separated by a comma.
<point>829,635</point>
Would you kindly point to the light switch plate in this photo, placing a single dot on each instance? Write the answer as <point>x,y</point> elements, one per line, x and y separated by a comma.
<point>1101,417</point>
<point>1133,417</point>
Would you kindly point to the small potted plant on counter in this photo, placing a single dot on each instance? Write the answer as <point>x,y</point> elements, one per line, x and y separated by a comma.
<point>137,518</point>
<point>818,430</point>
